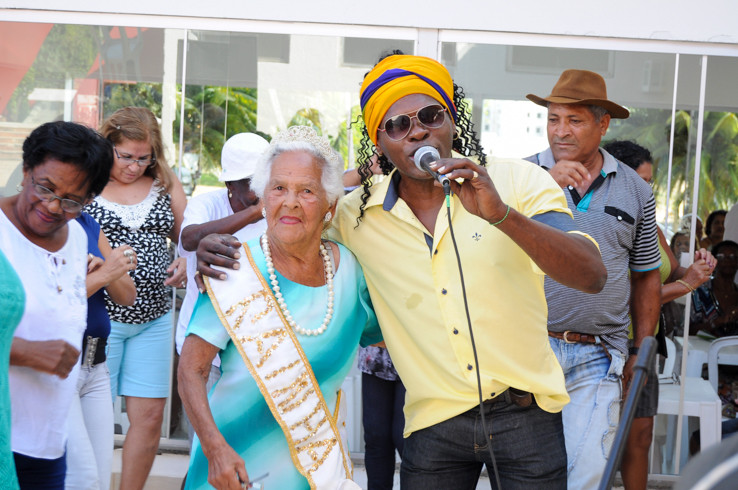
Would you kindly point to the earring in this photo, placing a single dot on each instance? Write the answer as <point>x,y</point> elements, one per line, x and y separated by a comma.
<point>264,212</point>
<point>230,194</point>
<point>457,133</point>
<point>328,216</point>
<point>19,187</point>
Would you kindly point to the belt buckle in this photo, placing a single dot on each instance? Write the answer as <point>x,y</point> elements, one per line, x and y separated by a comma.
<point>565,336</point>
<point>90,350</point>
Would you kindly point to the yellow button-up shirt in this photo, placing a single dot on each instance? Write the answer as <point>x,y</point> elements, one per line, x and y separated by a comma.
<point>413,280</point>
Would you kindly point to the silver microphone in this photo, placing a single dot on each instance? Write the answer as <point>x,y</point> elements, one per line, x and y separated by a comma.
<point>424,156</point>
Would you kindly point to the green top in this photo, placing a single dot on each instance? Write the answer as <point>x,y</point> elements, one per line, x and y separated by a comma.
<point>12,302</point>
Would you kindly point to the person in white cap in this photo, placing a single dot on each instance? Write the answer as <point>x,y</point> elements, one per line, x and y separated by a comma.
<point>233,210</point>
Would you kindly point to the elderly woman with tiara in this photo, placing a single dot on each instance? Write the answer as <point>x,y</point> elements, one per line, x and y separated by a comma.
<point>287,325</point>
<point>511,225</point>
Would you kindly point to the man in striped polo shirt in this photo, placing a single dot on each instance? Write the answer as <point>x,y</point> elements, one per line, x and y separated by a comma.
<point>589,332</point>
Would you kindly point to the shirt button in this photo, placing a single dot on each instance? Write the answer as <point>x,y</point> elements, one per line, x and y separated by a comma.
<point>436,252</point>
<point>469,367</point>
<point>443,291</point>
<point>492,395</point>
<point>456,331</point>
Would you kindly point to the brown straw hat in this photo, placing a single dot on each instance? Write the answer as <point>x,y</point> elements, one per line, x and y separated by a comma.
<point>581,87</point>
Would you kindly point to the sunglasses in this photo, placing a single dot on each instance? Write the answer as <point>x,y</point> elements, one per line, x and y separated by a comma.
<point>397,127</point>
<point>128,159</point>
<point>45,194</point>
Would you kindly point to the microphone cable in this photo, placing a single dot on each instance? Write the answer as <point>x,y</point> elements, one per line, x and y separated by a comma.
<point>473,344</point>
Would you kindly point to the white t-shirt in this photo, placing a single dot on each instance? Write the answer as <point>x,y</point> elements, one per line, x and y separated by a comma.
<point>56,308</point>
<point>201,209</point>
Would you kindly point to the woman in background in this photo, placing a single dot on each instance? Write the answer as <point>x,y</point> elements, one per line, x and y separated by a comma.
<point>141,206</point>
<point>676,281</point>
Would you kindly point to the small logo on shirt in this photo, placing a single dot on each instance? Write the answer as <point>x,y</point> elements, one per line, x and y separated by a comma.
<point>477,237</point>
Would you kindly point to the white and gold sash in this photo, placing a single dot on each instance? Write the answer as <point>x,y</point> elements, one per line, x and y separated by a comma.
<point>274,357</point>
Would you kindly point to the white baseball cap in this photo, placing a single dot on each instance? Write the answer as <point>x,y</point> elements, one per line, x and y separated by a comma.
<point>239,156</point>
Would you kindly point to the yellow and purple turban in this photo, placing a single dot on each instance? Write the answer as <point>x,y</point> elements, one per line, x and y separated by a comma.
<point>397,76</point>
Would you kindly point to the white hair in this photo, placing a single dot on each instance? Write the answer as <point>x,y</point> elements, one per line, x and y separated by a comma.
<point>302,138</point>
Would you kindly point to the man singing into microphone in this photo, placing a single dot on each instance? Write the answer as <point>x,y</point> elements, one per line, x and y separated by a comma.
<point>512,225</point>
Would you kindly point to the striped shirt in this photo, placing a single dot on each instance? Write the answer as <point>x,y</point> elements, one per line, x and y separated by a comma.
<point>619,212</point>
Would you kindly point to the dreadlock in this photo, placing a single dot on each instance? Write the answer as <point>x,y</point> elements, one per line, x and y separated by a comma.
<point>466,142</point>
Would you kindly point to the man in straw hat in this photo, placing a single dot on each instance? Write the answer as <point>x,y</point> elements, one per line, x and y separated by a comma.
<point>589,333</point>
<point>511,225</point>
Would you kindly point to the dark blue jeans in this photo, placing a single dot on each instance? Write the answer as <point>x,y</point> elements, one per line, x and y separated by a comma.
<point>40,474</point>
<point>383,425</point>
<point>528,445</point>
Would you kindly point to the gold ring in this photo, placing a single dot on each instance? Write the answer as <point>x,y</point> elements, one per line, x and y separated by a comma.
<point>197,273</point>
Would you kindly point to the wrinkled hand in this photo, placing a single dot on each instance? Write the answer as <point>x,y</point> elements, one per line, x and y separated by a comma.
<point>177,272</point>
<point>477,193</point>
<point>215,249</point>
<point>49,356</point>
<point>226,469</point>
<point>569,173</point>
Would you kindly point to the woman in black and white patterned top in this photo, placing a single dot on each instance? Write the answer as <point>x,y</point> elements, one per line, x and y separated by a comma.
<point>142,206</point>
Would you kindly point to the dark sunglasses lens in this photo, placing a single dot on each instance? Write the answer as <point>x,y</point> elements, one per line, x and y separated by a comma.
<point>398,126</point>
<point>431,116</point>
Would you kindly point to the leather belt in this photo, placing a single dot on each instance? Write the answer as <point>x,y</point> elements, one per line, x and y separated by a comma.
<point>575,337</point>
<point>93,350</point>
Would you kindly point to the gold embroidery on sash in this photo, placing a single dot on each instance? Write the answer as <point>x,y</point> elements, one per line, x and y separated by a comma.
<point>281,335</point>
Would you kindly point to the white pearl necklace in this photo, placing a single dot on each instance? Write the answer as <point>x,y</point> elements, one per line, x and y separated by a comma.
<point>327,264</point>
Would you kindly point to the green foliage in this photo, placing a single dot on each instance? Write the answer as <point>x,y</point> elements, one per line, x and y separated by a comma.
<point>119,95</point>
<point>210,180</point>
<point>212,115</point>
<point>719,165</point>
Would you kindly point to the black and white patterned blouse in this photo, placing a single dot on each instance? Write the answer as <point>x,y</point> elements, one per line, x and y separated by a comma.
<point>145,227</point>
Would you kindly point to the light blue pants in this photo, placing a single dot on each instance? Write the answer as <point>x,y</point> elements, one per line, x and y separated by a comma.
<point>591,417</point>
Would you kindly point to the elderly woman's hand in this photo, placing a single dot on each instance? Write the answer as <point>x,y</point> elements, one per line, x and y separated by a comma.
<point>226,469</point>
<point>215,249</point>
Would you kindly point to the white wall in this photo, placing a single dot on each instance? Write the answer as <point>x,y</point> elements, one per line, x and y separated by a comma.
<point>708,21</point>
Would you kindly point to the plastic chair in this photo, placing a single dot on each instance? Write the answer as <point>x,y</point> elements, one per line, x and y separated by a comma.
<point>667,372</point>
<point>713,358</point>
<point>700,400</point>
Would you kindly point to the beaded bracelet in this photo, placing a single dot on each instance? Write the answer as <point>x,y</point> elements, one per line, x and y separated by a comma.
<point>685,284</point>
<point>503,218</point>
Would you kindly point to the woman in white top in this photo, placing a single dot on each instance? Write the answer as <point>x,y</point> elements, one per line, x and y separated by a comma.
<point>64,166</point>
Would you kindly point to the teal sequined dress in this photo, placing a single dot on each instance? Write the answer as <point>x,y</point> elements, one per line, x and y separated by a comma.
<point>238,407</point>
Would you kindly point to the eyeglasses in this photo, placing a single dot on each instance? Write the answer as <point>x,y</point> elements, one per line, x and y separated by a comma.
<point>45,194</point>
<point>141,162</point>
<point>397,127</point>
<point>726,256</point>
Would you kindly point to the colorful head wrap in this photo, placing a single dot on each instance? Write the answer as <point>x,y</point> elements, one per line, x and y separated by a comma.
<point>397,76</point>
